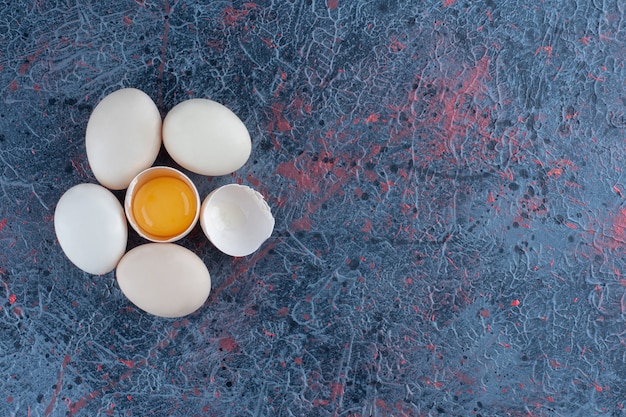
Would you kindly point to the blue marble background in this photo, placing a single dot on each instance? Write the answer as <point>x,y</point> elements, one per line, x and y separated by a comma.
<point>447,178</point>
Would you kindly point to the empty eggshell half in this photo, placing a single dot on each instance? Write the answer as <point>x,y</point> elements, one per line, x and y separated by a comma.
<point>91,228</point>
<point>164,279</point>
<point>206,137</point>
<point>123,137</point>
<point>236,219</point>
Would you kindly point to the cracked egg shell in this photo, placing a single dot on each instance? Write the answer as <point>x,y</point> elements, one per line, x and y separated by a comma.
<point>236,219</point>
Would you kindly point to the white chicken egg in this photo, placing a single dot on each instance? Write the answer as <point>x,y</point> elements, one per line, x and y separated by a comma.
<point>123,137</point>
<point>91,228</point>
<point>236,219</point>
<point>164,279</point>
<point>206,137</point>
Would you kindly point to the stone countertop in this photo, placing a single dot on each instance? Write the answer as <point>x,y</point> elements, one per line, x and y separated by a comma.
<point>447,179</point>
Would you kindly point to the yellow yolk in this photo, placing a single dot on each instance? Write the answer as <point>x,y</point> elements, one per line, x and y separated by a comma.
<point>164,206</point>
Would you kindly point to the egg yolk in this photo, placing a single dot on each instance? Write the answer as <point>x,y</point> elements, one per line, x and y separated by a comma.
<point>164,206</point>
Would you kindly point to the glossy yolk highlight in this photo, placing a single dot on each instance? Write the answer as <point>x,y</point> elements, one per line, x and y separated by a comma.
<point>164,206</point>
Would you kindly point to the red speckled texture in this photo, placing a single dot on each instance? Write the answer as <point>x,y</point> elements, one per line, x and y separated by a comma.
<point>447,179</point>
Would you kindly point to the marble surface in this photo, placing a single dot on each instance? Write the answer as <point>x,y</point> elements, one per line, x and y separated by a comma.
<point>447,178</point>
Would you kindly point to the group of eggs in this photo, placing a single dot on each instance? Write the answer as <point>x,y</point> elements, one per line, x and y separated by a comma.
<point>123,138</point>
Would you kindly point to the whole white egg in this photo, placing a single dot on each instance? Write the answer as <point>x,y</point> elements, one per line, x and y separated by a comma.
<point>91,228</point>
<point>123,137</point>
<point>164,279</point>
<point>206,137</point>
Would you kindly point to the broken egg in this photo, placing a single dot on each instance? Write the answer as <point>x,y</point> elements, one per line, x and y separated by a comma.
<point>236,219</point>
<point>164,279</point>
<point>162,204</point>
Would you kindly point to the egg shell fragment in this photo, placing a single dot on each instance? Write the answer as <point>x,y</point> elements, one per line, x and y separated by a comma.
<point>206,137</point>
<point>164,279</point>
<point>91,228</point>
<point>236,219</point>
<point>123,137</point>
